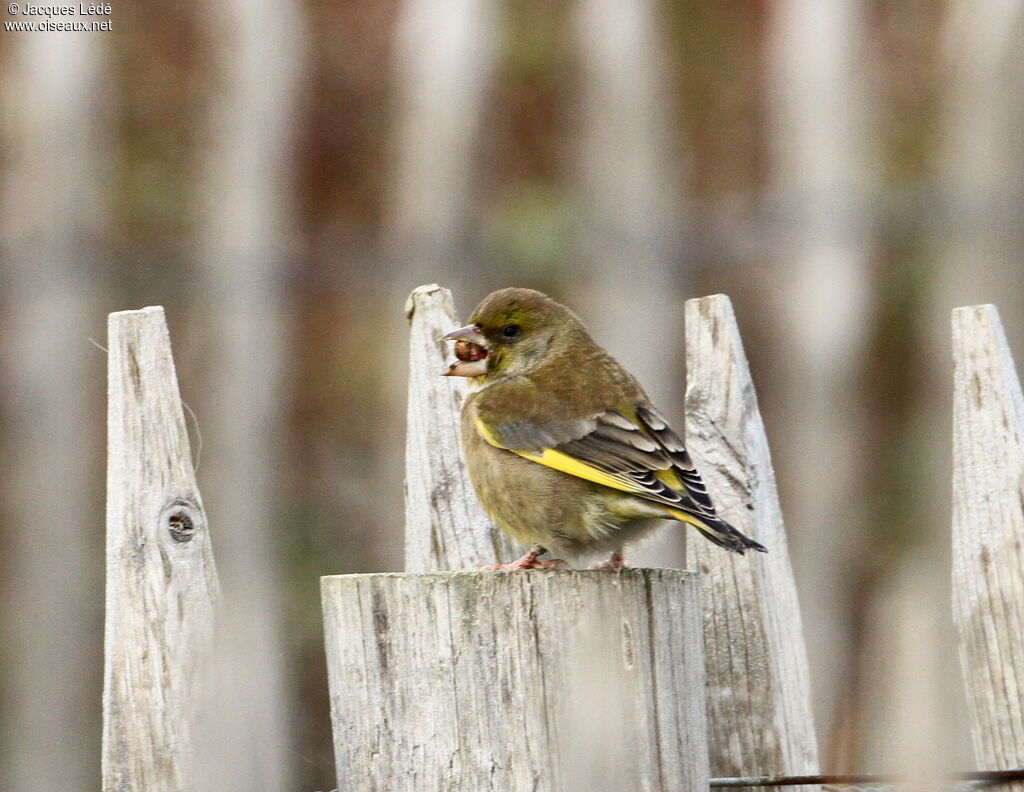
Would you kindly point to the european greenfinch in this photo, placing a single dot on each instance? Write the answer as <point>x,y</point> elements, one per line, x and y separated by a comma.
<point>565,450</point>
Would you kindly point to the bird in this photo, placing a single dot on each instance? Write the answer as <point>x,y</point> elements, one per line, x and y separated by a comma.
<point>564,449</point>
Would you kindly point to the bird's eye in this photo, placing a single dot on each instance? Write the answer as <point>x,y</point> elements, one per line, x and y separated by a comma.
<point>511,331</point>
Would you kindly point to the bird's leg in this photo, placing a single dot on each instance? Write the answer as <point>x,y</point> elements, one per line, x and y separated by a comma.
<point>528,561</point>
<point>616,561</point>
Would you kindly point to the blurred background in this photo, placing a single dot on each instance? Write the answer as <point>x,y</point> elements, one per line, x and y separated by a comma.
<point>279,175</point>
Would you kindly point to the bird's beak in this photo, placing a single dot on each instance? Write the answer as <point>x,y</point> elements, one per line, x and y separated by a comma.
<point>473,341</point>
<point>467,333</point>
<point>466,368</point>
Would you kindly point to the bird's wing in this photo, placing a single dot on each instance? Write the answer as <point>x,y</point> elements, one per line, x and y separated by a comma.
<point>682,465</point>
<point>637,453</point>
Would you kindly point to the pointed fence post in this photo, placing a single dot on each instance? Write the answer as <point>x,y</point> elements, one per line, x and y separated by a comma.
<point>445,526</point>
<point>161,583</point>
<point>549,681</point>
<point>759,704</point>
<point>988,535</point>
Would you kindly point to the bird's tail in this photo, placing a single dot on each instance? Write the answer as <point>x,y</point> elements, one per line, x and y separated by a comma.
<point>720,532</point>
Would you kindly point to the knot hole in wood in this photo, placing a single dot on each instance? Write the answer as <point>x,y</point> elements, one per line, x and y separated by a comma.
<point>182,519</point>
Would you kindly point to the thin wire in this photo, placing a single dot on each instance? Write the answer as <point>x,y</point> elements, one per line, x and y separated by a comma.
<point>199,438</point>
<point>830,788</point>
<point>981,779</point>
<point>977,779</point>
<point>801,780</point>
<point>189,410</point>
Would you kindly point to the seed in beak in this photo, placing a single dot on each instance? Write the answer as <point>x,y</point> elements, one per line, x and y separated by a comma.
<point>468,351</point>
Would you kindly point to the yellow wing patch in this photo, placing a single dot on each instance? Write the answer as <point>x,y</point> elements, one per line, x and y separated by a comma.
<point>574,467</point>
<point>669,477</point>
<point>560,461</point>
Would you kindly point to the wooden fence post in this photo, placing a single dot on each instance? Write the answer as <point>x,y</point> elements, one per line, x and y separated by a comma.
<point>548,681</point>
<point>988,535</point>
<point>759,701</point>
<point>536,681</point>
<point>445,526</point>
<point>161,583</point>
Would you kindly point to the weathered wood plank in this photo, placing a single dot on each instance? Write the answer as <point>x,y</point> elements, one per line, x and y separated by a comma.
<point>988,534</point>
<point>759,704</point>
<point>541,681</point>
<point>161,582</point>
<point>445,526</point>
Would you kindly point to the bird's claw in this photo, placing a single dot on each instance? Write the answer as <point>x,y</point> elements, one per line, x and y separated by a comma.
<point>616,562</point>
<point>528,561</point>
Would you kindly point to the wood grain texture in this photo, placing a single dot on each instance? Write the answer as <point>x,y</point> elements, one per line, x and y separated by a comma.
<point>161,583</point>
<point>445,525</point>
<point>539,681</point>
<point>759,704</point>
<point>988,534</point>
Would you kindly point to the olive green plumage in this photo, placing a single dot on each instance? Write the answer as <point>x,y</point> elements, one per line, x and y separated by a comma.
<point>564,448</point>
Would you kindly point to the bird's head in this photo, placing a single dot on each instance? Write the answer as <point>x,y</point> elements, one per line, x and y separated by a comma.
<point>510,333</point>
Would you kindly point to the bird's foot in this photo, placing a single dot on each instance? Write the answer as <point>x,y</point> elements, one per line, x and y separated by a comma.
<point>616,561</point>
<point>529,561</point>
